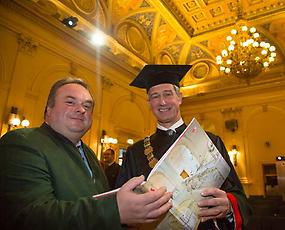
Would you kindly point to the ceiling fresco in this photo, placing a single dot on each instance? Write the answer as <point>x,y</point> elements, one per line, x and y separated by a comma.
<point>192,32</point>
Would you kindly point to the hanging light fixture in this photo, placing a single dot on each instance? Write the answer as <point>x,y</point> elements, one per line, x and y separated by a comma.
<point>246,54</point>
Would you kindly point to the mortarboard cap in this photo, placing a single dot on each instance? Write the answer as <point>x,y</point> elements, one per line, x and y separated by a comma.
<point>152,75</point>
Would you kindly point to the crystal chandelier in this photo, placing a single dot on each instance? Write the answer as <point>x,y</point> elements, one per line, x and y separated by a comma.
<point>247,55</point>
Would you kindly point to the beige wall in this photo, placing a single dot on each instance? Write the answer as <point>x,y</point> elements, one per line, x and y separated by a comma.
<point>261,122</point>
<point>33,56</point>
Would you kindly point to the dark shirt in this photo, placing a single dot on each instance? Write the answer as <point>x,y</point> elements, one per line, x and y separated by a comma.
<point>112,172</point>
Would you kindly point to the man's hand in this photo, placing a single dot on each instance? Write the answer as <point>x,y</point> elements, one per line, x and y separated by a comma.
<point>141,208</point>
<point>217,206</point>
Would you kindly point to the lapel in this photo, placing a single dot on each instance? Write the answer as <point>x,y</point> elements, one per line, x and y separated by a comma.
<point>70,149</point>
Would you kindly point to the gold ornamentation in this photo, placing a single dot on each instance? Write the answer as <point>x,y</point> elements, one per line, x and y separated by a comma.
<point>27,45</point>
<point>87,6</point>
<point>148,151</point>
<point>200,70</point>
<point>247,54</point>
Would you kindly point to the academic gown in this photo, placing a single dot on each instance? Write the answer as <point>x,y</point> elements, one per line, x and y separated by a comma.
<point>44,184</point>
<point>135,163</point>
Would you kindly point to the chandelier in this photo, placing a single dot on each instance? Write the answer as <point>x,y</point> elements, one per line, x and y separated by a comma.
<point>247,54</point>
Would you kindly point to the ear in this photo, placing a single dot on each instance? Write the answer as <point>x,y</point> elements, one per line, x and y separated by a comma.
<point>148,102</point>
<point>48,111</point>
<point>180,98</point>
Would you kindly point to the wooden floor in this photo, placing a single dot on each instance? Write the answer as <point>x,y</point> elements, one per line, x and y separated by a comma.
<point>268,213</point>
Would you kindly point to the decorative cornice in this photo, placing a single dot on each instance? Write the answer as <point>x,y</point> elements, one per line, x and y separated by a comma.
<point>107,83</point>
<point>73,68</point>
<point>231,110</point>
<point>179,16</point>
<point>27,45</point>
<point>76,36</point>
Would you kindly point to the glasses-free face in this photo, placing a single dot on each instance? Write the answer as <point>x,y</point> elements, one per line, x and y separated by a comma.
<point>108,156</point>
<point>71,114</point>
<point>165,104</point>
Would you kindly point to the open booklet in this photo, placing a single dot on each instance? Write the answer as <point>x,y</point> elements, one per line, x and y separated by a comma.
<point>192,163</point>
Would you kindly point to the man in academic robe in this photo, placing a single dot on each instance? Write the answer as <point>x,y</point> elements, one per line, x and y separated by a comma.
<point>228,208</point>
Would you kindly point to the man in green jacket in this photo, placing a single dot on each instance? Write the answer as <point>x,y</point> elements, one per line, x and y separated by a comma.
<point>48,176</point>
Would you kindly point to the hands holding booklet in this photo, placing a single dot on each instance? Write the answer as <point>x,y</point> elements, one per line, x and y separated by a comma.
<point>191,169</point>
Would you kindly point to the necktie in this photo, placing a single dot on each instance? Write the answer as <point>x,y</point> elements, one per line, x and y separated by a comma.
<point>80,149</point>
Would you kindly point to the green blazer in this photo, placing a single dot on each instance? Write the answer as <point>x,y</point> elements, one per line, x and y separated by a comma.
<point>44,184</point>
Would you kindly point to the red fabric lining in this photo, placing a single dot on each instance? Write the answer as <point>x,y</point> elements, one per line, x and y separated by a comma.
<point>238,219</point>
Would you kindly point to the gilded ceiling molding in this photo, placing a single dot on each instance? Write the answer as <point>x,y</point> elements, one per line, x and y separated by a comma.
<point>154,31</point>
<point>146,20</point>
<point>132,36</point>
<point>132,97</point>
<point>27,45</point>
<point>107,84</point>
<point>175,51</point>
<point>165,58</point>
<point>264,108</point>
<point>274,32</point>
<point>232,111</point>
<point>86,6</point>
<point>233,6</point>
<point>258,9</point>
<point>200,70</point>
<point>196,53</point>
<point>178,14</point>
<point>73,68</point>
<point>215,12</point>
<point>135,40</point>
<point>100,17</point>
<point>86,25</point>
<point>166,41</point>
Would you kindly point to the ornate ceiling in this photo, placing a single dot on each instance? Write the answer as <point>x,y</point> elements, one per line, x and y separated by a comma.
<point>193,32</point>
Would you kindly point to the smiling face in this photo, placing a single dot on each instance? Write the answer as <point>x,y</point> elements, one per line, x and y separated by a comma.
<point>71,114</point>
<point>165,104</point>
<point>109,156</point>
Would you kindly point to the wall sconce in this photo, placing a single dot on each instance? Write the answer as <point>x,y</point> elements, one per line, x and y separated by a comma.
<point>130,141</point>
<point>14,120</point>
<point>109,140</point>
<point>233,155</point>
<point>106,141</point>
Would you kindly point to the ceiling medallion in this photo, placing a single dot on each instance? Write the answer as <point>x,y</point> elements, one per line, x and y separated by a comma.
<point>200,70</point>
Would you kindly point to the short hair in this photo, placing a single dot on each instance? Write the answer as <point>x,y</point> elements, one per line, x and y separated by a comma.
<point>60,83</point>
<point>176,89</point>
<point>111,150</point>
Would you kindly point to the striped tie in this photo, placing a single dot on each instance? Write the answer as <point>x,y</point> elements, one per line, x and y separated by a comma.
<point>80,149</point>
